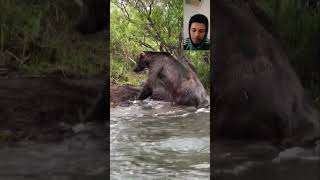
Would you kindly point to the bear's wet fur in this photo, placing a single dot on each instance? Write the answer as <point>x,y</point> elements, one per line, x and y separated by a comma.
<point>256,93</point>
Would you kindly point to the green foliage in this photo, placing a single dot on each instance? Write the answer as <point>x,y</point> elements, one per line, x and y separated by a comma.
<point>140,25</point>
<point>122,73</point>
<point>39,37</point>
<point>200,60</point>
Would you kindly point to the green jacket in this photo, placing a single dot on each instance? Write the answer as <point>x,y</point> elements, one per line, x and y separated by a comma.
<point>188,45</point>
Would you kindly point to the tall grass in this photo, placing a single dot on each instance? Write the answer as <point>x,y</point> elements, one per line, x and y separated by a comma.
<point>39,37</point>
<point>121,73</point>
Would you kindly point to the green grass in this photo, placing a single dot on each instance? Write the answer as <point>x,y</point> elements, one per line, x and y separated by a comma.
<point>121,72</point>
<point>39,37</point>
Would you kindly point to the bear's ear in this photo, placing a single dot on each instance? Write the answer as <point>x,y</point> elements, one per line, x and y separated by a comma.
<point>142,55</point>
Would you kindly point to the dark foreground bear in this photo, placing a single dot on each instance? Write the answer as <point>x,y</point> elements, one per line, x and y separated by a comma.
<point>173,78</point>
<point>256,92</point>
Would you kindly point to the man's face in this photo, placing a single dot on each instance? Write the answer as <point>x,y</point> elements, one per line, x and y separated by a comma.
<point>197,32</point>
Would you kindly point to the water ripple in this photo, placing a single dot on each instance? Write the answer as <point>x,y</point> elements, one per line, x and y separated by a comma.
<point>157,140</point>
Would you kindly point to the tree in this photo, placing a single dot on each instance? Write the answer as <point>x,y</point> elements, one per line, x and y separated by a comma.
<point>151,24</point>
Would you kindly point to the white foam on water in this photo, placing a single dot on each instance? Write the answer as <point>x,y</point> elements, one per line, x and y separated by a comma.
<point>207,110</point>
<point>186,144</point>
<point>201,166</point>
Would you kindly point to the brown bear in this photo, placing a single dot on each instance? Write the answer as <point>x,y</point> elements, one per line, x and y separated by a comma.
<point>256,93</point>
<point>178,81</point>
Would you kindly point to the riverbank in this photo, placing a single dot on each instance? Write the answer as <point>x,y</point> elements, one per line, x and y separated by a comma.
<point>121,94</point>
<point>47,108</point>
<point>50,107</point>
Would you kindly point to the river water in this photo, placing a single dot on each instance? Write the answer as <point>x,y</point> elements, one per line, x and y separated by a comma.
<point>155,140</point>
<point>236,160</point>
<point>80,157</point>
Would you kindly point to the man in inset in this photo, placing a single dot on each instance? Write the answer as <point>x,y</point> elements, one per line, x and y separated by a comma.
<point>198,31</point>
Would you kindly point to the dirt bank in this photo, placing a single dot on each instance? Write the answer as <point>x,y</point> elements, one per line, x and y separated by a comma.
<point>46,108</point>
<point>120,95</point>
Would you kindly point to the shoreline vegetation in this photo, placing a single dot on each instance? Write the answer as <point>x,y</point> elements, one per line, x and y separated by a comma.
<point>156,28</point>
<point>295,25</point>
<point>51,76</point>
<point>39,38</point>
<point>46,42</point>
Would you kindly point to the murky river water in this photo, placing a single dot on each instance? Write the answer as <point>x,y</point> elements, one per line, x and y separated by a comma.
<point>236,160</point>
<point>154,141</point>
<point>81,157</point>
<point>159,141</point>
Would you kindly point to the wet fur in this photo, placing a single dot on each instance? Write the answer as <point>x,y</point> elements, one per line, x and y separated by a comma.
<point>256,92</point>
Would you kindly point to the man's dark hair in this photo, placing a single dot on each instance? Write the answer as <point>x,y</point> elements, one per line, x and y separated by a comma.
<point>199,18</point>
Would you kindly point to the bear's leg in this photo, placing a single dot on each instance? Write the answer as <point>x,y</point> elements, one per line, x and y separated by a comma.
<point>145,92</point>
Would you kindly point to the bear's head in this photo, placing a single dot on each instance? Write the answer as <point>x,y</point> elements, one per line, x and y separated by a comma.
<point>143,62</point>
